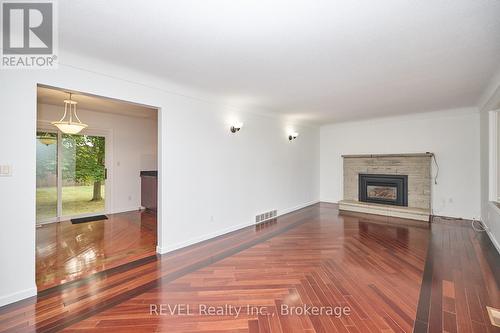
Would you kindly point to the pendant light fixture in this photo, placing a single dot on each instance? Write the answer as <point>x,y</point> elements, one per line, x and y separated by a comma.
<point>70,126</point>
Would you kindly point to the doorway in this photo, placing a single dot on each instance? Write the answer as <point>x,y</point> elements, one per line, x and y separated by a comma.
<point>98,172</point>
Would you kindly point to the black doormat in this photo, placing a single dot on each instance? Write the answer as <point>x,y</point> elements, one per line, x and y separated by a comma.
<point>89,219</point>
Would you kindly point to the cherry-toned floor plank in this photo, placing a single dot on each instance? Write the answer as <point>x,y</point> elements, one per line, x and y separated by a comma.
<point>309,259</point>
<point>67,252</point>
<point>394,275</point>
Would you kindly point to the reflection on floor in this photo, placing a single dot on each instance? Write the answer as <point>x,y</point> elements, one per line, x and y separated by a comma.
<point>67,252</point>
<point>75,200</point>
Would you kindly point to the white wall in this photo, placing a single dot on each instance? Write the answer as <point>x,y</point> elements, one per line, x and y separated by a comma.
<point>452,135</point>
<point>212,181</point>
<point>225,179</point>
<point>489,212</point>
<point>134,148</point>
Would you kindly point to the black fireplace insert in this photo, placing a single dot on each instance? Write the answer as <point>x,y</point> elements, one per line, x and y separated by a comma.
<point>383,189</point>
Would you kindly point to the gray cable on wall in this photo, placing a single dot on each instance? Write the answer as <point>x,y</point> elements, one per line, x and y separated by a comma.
<point>437,168</point>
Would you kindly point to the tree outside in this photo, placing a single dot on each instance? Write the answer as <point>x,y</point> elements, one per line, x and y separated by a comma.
<point>84,164</point>
<point>83,175</point>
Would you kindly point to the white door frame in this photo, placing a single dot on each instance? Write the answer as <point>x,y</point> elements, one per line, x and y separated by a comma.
<point>493,155</point>
<point>42,127</point>
<point>161,134</point>
<point>46,126</point>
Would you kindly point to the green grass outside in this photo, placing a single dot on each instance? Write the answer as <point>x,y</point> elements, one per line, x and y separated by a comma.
<point>76,200</point>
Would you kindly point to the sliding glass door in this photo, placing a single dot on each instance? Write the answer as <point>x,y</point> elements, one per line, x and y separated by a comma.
<point>83,174</point>
<point>71,176</point>
<point>46,175</point>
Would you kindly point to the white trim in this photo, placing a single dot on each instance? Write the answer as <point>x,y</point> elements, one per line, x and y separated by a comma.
<point>328,201</point>
<point>491,208</point>
<point>160,135</point>
<point>493,240</point>
<point>221,232</point>
<point>159,212</point>
<point>496,210</point>
<point>493,155</point>
<point>201,238</point>
<point>127,209</point>
<point>59,180</point>
<point>292,209</point>
<point>10,298</point>
<point>17,296</point>
<point>495,207</point>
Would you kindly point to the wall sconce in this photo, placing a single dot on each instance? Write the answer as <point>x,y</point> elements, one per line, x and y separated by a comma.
<point>236,127</point>
<point>293,136</point>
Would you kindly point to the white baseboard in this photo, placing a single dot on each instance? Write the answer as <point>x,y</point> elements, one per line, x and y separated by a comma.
<point>292,209</point>
<point>125,210</point>
<point>493,240</point>
<point>180,245</point>
<point>491,215</point>
<point>17,296</point>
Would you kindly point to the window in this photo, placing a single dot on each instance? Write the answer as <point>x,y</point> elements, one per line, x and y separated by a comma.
<point>497,192</point>
<point>494,156</point>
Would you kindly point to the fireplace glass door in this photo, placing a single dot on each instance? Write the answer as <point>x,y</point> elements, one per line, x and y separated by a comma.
<point>382,192</point>
<point>383,189</point>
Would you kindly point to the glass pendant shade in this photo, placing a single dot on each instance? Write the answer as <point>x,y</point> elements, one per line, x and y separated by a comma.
<point>72,125</point>
<point>69,128</point>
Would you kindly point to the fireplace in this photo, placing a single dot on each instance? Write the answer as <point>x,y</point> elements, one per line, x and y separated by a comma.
<point>384,189</point>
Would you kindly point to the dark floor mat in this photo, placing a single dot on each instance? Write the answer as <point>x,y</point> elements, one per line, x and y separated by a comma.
<point>89,219</point>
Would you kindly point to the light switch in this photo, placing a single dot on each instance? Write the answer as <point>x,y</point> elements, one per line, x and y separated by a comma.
<point>5,170</point>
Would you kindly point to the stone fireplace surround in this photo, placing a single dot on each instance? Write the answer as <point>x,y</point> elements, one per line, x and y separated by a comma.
<point>416,166</point>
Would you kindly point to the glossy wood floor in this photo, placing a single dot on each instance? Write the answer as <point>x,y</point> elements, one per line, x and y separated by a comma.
<point>67,252</point>
<point>374,266</point>
<point>462,277</point>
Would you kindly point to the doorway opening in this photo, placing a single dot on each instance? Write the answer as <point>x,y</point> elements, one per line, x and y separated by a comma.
<point>96,174</point>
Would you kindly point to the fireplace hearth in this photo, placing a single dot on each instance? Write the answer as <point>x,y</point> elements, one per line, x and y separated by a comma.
<point>383,189</point>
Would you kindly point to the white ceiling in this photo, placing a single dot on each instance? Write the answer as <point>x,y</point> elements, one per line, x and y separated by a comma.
<point>315,60</point>
<point>56,97</point>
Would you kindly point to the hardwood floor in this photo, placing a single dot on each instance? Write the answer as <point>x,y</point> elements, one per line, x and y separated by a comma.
<point>372,266</point>
<point>67,252</point>
<point>462,277</point>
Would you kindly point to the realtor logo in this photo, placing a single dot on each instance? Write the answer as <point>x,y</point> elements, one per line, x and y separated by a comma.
<point>28,34</point>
